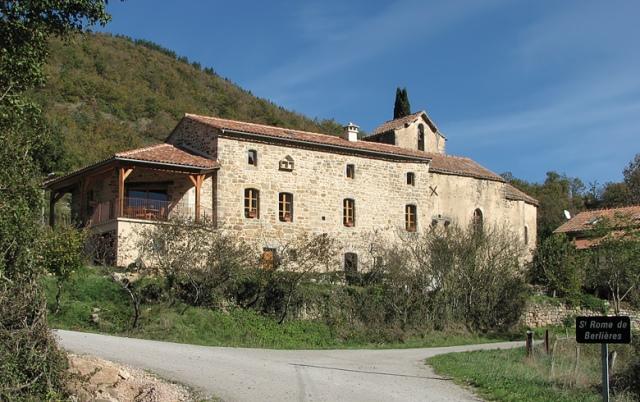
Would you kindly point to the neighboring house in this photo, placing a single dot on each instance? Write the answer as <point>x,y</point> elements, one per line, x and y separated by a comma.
<point>582,228</point>
<point>268,184</point>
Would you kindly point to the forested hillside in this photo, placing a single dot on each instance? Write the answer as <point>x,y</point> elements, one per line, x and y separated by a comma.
<point>106,94</point>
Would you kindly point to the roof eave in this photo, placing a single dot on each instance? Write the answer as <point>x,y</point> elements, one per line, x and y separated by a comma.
<point>331,146</point>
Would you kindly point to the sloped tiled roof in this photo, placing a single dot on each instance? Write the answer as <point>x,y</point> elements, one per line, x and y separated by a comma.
<point>162,154</point>
<point>306,137</point>
<point>512,193</point>
<point>396,123</point>
<point>586,220</point>
<point>460,166</point>
<point>167,153</point>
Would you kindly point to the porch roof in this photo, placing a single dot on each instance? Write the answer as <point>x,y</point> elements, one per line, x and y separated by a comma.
<point>160,156</point>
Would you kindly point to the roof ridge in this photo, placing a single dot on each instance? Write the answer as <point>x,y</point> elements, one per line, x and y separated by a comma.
<point>129,151</point>
<point>259,124</point>
<point>609,208</point>
<point>403,117</point>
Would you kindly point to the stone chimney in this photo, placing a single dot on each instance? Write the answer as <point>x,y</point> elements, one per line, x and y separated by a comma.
<point>351,132</point>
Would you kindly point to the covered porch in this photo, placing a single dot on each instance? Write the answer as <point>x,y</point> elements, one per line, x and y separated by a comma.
<point>147,184</point>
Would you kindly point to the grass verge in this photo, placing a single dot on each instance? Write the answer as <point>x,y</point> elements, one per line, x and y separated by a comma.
<point>92,293</point>
<point>508,375</point>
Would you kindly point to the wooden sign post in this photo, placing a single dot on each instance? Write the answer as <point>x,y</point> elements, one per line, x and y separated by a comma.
<point>603,330</point>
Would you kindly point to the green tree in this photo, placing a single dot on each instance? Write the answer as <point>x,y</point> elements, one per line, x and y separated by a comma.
<point>632,179</point>
<point>614,195</point>
<point>62,255</point>
<point>558,266</point>
<point>401,107</point>
<point>556,194</point>
<point>615,261</point>
<point>30,362</point>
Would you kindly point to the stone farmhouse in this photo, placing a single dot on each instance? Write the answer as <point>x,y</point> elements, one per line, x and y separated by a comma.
<point>269,184</point>
<point>582,228</point>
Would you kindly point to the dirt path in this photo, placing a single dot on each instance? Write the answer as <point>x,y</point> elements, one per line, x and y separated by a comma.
<point>238,374</point>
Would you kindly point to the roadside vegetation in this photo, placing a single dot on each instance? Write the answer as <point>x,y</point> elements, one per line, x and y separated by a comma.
<point>570,373</point>
<point>202,286</point>
<point>604,279</point>
<point>32,367</point>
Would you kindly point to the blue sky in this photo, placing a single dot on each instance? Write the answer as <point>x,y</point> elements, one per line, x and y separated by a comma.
<point>519,86</point>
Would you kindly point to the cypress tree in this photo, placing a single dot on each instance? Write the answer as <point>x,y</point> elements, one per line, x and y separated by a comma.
<point>401,107</point>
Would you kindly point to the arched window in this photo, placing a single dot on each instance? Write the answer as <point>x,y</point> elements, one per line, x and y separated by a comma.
<point>477,220</point>
<point>251,203</point>
<point>420,137</point>
<point>286,164</point>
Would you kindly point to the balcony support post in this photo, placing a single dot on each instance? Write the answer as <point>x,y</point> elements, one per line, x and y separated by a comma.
<point>54,196</point>
<point>123,173</point>
<point>197,181</point>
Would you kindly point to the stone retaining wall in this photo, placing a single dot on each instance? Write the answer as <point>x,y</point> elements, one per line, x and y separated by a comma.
<point>543,314</point>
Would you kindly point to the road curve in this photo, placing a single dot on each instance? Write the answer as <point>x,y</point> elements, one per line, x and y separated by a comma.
<point>240,374</point>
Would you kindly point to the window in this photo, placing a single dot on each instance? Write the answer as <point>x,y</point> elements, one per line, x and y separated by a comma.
<point>526,235</point>
<point>251,203</point>
<point>411,218</point>
<point>285,207</point>
<point>477,220</point>
<point>351,171</point>
<point>420,137</point>
<point>252,157</point>
<point>268,259</point>
<point>146,201</point>
<point>411,178</point>
<point>286,164</point>
<point>349,212</point>
<point>351,267</point>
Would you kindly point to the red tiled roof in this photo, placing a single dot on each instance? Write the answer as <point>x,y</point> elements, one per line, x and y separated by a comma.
<point>440,163</point>
<point>167,153</point>
<point>512,193</point>
<point>395,124</point>
<point>306,136</point>
<point>460,166</point>
<point>586,220</point>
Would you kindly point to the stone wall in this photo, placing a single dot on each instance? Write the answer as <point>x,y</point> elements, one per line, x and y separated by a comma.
<point>544,314</point>
<point>319,185</point>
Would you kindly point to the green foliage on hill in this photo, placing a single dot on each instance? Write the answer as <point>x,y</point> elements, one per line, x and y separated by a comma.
<point>106,94</point>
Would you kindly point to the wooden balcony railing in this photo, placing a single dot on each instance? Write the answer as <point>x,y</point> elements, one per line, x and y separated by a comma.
<point>142,208</point>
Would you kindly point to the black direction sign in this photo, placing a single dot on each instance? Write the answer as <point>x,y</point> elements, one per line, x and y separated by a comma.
<point>603,329</point>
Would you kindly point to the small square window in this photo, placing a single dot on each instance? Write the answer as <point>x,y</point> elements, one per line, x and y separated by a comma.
<point>252,157</point>
<point>351,171</point>
<point>411,179</point>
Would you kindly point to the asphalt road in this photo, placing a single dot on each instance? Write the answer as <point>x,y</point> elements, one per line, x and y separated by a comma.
<point>239,374</point>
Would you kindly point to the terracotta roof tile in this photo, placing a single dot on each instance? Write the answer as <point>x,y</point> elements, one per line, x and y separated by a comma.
<point>167,153</point>
<point>460,166</point>
<point>512,193</point>
<point>306,136</point>
<point>396,123</point>
<point>440,163</point>
<point>585,220</point>
<point>160,153</point>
